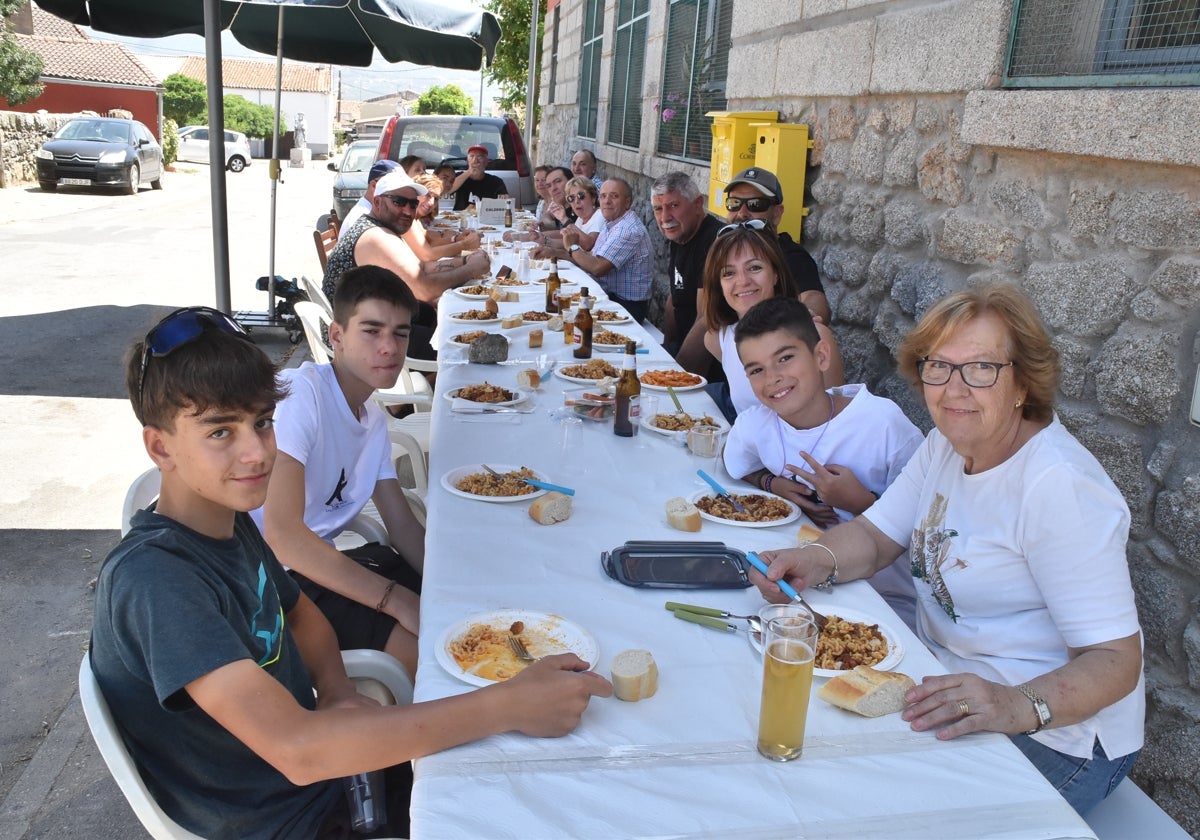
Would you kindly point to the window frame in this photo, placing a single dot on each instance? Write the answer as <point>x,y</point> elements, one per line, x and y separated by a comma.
<point>628,73</point>
<point>588,124</point>
<point>714,26</point>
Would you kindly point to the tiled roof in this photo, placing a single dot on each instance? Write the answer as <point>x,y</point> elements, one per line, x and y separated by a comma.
<point>67,53</point>
<point>260,75</point>
<point>46,25</point>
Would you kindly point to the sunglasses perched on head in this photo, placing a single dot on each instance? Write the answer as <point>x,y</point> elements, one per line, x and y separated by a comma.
<point>751,224</point>
<point>180,327</point>
<point>756,204</point>
<point>403,201</point>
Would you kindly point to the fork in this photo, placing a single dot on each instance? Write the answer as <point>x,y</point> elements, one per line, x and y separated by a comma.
<point>519,649</point>
<point>545,485</point>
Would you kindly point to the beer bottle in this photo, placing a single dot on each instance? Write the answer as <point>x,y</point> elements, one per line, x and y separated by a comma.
<point>584,324</point>
<point>553,283</point>
<point>508,215</point>
<point>629,395</point>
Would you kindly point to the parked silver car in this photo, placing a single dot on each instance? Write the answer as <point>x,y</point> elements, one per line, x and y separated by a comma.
<point>193,146</point>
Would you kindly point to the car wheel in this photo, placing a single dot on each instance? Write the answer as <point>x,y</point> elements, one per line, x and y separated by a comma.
<point>236,164</point>
<point>135,179</point>
<point>48,186</point>
<point>156,184</point>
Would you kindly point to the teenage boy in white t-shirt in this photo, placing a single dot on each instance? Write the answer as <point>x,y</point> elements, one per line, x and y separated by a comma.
<point>830,452</point>
<point>334,457</point>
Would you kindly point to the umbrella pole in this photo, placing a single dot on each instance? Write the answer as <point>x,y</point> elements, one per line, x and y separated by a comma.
<point>275,169</point>
<point>216,151</point>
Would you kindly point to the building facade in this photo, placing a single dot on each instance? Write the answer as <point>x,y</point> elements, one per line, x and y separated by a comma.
<point>1052,145</point>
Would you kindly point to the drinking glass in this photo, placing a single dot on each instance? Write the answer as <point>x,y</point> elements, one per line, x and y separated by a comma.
<point>704,446</point>
<point>790,645</point>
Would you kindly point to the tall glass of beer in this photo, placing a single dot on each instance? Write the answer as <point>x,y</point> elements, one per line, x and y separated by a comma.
<point>789,646</point>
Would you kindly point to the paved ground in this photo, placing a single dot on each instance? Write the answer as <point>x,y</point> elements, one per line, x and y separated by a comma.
<point>82,275</point>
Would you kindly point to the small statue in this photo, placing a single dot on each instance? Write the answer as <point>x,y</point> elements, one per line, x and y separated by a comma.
<point>301,141</point>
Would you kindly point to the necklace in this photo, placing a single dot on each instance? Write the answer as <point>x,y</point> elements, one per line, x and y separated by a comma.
<point>780,423</point>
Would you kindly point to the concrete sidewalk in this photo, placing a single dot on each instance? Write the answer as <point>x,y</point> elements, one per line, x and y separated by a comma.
<point>85,273</point>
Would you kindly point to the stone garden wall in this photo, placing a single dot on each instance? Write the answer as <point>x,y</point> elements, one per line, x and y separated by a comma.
<point>20,136</point>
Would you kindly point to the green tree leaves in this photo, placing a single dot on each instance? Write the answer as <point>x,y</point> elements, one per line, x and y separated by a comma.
<point>445,99</point>
<point>185,100</point>
<point>19,67</point>
<point>510,68</point>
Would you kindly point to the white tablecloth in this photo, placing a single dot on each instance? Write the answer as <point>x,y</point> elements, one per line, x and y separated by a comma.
<point>682,763</point>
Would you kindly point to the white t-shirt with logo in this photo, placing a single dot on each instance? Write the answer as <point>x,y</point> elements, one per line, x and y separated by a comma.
<point>343,456</point>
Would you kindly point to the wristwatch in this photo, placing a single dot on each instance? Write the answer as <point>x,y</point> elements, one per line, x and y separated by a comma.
<point>1039,707</point>
<point>574,248</point>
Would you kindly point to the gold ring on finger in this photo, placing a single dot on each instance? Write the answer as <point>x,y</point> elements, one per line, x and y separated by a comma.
<point>963,709</point>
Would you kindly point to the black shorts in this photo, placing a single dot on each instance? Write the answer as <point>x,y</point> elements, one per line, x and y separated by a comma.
<point>357,625</point>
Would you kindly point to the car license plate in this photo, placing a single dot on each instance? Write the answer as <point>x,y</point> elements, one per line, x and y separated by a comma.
<point>75,182</point>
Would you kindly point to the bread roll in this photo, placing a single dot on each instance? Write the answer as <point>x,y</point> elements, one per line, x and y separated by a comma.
<point>807,534</point>
<point>491,306</point>
<point>867,692</point>
<point>634,675</point>
<point>535,338</point>
<point>529,378</point>
<point>497,294</point>
<point>682,514</point>
<point>551,508</point>
<point>510,321</point>
<point>511,297</point>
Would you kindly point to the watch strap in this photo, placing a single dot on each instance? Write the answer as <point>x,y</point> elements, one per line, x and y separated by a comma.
<point>1040,708</point>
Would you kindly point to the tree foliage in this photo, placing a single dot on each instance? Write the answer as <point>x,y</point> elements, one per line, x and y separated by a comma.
<point>510,68</point>
<point>170,141</point>
<point>185,100</point>
<point>252,120</point>
<point>445,99</point>
<point>19,67</point>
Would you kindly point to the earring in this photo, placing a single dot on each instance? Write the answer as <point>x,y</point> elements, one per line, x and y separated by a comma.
<point>1018,405</point>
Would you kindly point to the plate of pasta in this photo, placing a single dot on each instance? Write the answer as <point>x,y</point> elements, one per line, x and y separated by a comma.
<point>476,651</point>
<point>680,380</point>
<point>851,637</point>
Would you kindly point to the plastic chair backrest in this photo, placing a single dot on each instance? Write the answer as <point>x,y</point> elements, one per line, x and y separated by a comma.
<point>142,492</point>
<point>316,294</point>
<point>120,763</point>
<point>313,319</point>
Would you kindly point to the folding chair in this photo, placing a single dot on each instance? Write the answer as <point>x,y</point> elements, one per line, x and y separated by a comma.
<point>325,240</point>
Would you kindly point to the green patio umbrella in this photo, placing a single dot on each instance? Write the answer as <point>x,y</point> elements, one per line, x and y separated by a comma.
<point>440,33</point>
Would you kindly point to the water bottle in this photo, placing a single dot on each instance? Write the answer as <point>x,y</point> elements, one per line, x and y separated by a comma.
<point>365,796</point>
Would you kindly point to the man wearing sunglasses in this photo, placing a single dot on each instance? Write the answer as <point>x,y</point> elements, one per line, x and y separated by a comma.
<point>681,216</point>
<point>376,239</point>
<point>756,193</point>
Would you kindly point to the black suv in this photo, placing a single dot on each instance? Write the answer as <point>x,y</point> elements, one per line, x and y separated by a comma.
<point>445,139</point>
<point>100,152</point>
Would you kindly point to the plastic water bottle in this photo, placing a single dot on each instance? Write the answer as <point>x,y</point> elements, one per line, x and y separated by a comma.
<point>368,805</point>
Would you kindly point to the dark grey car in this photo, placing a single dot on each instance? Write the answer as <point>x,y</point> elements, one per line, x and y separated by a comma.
<point>351,181</point>
<point>100,152</point>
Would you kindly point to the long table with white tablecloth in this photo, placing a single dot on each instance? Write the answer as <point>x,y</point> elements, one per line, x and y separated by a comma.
<point>682,763</point>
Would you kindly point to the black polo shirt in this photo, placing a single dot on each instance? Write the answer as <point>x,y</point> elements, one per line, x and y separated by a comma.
<point>686,271</point>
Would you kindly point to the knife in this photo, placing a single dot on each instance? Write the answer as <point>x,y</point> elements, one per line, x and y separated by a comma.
<point>705,620</point>
<point>721,491</point>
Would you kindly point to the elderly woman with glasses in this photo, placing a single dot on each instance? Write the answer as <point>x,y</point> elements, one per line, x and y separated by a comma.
<point>429,243</point>
<point>744,266</point>
<point>1017,542</point>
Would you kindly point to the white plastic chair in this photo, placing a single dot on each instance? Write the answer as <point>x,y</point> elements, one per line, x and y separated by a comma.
<point>405,445</point>
<point>375,674</point>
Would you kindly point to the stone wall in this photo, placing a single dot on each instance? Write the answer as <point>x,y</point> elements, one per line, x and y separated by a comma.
<point>904,210</point>
<point>20,136</point>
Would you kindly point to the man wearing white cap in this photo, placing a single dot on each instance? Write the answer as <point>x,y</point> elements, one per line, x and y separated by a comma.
<point>756,193</point>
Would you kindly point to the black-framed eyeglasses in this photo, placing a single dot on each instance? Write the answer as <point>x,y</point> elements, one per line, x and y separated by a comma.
<point>403,201</point>
<point>177,329</point>
<point>749,224</point>
<point>755,204</point>
<point>974,374</point>
<point>580,196</point>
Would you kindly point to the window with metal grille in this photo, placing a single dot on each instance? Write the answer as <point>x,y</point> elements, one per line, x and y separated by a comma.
<point>694,68</point>
<point>589,70</point>
<point>557,12</point>
<point>629,67</point>
<point>1104,43</point>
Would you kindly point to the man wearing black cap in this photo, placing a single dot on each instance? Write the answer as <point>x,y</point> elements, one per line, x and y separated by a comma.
<point>475,181</point>
<point>363,205</point>
<point>755,193</point>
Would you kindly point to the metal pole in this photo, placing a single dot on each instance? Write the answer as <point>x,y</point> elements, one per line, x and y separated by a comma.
<point>216,151</point>
<point>275,165</point>
<point>533,71</point>
<point>480,88</point>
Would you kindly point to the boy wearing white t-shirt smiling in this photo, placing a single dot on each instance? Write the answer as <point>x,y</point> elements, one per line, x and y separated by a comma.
<point>832,452</point>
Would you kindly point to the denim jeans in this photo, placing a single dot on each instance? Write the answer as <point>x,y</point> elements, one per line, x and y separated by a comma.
<point>1082,782</point>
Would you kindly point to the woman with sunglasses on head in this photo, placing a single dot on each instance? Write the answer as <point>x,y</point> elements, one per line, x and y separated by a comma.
<point>430,244</point>
<point>1016,538</point>
<point>745,266</point>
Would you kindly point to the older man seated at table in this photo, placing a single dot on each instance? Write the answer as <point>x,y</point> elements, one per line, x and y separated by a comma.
<point>622,259</point>
<point>476,181</point>
<point>583,165</point>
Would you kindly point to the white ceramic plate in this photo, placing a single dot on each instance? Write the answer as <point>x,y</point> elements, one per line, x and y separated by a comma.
<point>621,319</point>
<point>679,389</point>
<point>468,321</point>
<point>521,396</point>
<point>450,479</point>
<point>791,517</point>
<point>578,380</point>
<point>463,294</point>
<point>545,634</point>
<point>895,648</point>
<point>535,322</point>
<point>562,281</point>
<point>717,421</point>
<point>450,342</point>
<point>614,348</point>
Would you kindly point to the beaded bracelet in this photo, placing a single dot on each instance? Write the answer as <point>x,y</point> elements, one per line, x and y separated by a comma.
<point>828,583</point>
<point>767,483</point>
<point>386,592</point>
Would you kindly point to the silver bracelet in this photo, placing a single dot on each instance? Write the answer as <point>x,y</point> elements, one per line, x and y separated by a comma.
<point>828,583</point>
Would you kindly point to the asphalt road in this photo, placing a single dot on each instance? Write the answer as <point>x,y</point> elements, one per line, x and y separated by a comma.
<point>82,274</point>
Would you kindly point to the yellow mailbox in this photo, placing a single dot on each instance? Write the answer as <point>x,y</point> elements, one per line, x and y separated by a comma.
<point>735,134</point>
<point>783,148</point>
